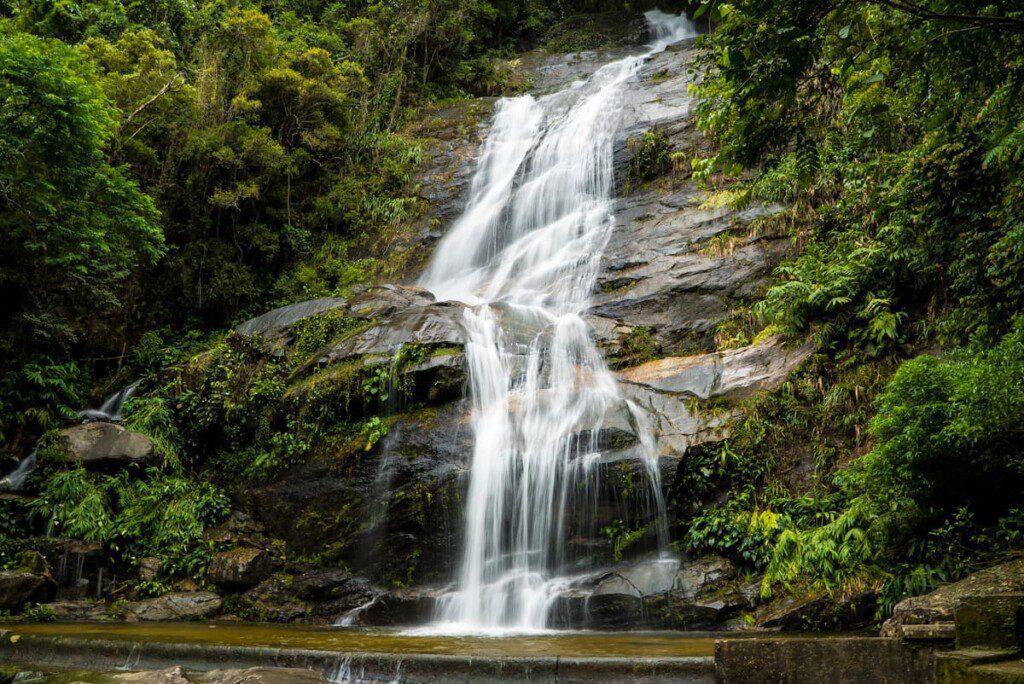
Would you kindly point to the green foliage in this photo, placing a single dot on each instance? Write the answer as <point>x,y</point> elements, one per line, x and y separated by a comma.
<point>948,435</point>
<point>831,554</point>
<point>638,347</point>
<point>938,492</point>
<point>74,226</point>
<point>907,180</point>
<point>179,166</point>
<point>893,134</point>
<point>37,395</point>
<point>622,537</point>
<point>745,536</point>
<point>161,515</point>
<point>651,158</point>
<point>153,417</point>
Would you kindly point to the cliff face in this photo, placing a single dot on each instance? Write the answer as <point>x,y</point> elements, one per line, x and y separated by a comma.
<point>675,265</point>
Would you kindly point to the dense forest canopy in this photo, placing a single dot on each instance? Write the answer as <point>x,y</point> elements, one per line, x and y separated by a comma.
<point>170,168</point>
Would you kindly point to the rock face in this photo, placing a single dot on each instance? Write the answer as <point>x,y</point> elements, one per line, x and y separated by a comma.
<point>819,611</point>
<point>659,594</point>
<point>103,445</point>
<point>71,611</point>
<point>730,375</point>
<point>941,604</point>
<point>18,588</point>
<point>675,264</point>
<point>174,606</point>
<point>241,567</point>
<point>666,389</point>
<point>261,675</point>
<point>279,319</point>
<point>433,323</point>
<point>391,512</point>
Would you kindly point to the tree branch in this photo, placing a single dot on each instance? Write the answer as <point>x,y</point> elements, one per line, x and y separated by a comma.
<point>1010,24</point>
<point>160,93</point>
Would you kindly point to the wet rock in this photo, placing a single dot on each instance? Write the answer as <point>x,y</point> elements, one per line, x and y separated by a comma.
<point>80,610</point>
<point>103,445</point>
<point>237,530</point>
<point>333,585</point>
<point>242,567</point>
<point>383,301</point>
<point>666,611</point>
<point>655,594</point>
<point>23,676</point>
<point>655,272</point>
<point>666,388</point>
<point>656,275</point>
<point>697,577</point>
<point>642,579</point>
<point>432,324</point>
<point>273,601</point>
<point>818,611</point>
<point>941,605</point>
<point>174,606</point>
<point>676,421</point>
<point>33,562</point>
<point>386,513</point>
<point>170,675</point>
<point>730,375</point>
<point>615,610</point>
<point>454,134</point>
<point>400,608</point>
<point>279,319</point>
<point>261,675</point>
<point>18,588</point>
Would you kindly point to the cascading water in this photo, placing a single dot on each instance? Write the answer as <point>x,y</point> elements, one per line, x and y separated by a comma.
<point>524,255</point>
<point>110,411</point>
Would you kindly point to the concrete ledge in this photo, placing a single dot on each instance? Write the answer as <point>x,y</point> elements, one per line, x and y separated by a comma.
<point>108,654</point>
<point>812,660</point>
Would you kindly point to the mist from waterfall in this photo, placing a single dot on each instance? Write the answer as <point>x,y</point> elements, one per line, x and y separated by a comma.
<point>525,255</point>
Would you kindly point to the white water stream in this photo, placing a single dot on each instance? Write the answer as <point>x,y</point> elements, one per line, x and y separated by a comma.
<point>525,255</point>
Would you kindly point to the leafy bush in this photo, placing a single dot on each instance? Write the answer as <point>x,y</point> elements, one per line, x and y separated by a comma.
<point>161,515</point>
<point>650,158</point>
<point>744,536</point>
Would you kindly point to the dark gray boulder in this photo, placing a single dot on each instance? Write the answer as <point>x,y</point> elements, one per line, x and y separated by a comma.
<point>241,567</point>
<point>655,594</point>
<point>388,513</point>
<point>941,604</point>
<point>730,375</point>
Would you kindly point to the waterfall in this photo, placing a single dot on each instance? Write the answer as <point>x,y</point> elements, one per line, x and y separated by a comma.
<point>111,408</point>
<point>524,256</point>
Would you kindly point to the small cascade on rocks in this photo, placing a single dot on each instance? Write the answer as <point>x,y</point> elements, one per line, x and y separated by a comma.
<point>524,256</point>
<point>16,478</point>
<point>111,411</point>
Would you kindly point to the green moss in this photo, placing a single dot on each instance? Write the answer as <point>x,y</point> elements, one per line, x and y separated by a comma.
<point>638,347</point>
<point>651,158</point>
